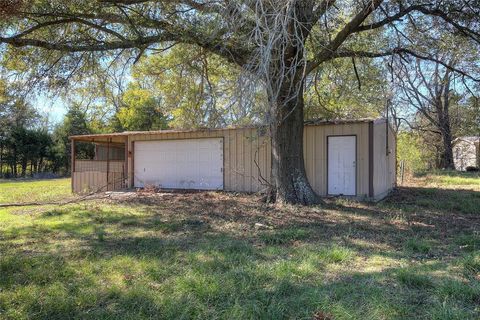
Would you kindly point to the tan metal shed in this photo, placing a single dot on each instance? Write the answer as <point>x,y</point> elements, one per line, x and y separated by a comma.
<point>368,169</point>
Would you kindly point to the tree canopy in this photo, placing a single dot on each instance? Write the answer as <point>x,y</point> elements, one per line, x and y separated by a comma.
<point>278,46</point>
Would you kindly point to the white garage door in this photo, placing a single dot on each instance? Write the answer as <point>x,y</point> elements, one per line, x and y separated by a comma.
<point>342,168</point>
<point>179,164</point>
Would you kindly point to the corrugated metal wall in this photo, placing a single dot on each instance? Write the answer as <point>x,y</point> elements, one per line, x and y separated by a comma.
<point>91,176</point>
<point>247,159</point>
<point>96,181</point>
<point>247,156</point>
<point>385,171</point>
<point>98,165</point>
<point>315,154</point>
<point>241,148</point>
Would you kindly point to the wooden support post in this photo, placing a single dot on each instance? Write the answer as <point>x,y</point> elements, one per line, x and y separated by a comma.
<point>108,161</point>
<point>132,179</point>
<point>72,163</point>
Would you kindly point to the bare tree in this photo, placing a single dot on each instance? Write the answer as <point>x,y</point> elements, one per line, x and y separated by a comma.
<point>426,89</point>
<point>279,43</point>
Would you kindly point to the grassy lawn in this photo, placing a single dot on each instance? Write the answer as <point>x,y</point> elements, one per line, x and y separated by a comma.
<point>452,179</point>
<point>183,256</point>
<point>31,190</point>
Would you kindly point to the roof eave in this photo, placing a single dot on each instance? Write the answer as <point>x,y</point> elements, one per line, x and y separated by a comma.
<point>92,137</point>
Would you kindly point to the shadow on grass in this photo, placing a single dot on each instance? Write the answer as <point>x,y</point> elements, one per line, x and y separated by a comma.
<point>373,223</point>
<point>218,276</point>
<point>172,259</point>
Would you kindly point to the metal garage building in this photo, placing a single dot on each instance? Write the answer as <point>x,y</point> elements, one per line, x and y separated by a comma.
<point>348,157</point>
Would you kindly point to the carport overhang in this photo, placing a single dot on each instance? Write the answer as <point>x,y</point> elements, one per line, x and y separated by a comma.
<point>110,140</point>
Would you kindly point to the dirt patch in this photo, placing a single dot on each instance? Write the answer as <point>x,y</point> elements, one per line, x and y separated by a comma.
<point>387,223</point>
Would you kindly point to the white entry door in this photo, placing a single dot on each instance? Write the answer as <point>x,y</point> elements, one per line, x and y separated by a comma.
<point>342,165</point>
<point>179,164</point>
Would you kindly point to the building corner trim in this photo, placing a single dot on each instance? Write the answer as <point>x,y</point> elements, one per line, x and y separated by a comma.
<point>371,192</point>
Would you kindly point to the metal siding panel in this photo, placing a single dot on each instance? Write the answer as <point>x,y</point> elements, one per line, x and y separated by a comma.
<point>226,161</point>
<point>328,130</point>
<point>247,143</point>
<point>309,155</point>
<point>257,168</point>
<point>321,161</point>
<point>243,167</point>
<point>365,155</point>
<point>233,160</point>
<point>383,175</point>
<point>306,160</point>
<point>239,160</point>
<point>317,164</point>
<point>240,171</point>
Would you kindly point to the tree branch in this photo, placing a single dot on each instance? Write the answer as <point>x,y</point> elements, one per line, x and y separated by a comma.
<point>389,19</point>
<point>427,11</point>
<point>105,46</point>
<point>400,51</point>
<point>342,35</point>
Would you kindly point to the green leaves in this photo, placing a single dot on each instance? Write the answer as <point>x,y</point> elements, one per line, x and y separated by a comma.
<point>193,88</point>
<point>333,91</point>
<point>140,110</point>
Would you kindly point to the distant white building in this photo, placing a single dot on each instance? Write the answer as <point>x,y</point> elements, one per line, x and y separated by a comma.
<point>466,152</point>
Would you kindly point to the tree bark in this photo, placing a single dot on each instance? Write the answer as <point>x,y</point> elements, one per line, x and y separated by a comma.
<point>443,111</point>
<point>447,154</point>
<point>289,177</point>
<point>288,169</point>
<point>24,167</point>
<point>14,166</point>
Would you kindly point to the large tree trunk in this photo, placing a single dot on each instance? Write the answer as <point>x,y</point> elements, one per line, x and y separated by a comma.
<point>447,155</point>
<point>443,111</point>
<point>24,167</point>
<point>286,83</point>
<point>288,169</point>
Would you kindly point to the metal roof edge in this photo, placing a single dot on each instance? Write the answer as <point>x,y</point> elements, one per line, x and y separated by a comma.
<point>314,122</point>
